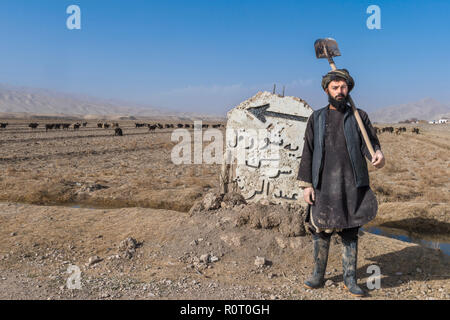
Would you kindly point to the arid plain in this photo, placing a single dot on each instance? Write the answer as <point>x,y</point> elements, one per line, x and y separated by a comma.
<point>71,196</point>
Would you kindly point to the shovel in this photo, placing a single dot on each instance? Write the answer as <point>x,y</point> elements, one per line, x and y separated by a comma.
<point>328,48</point>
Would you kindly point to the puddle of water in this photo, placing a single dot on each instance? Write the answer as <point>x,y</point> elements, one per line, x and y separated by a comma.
<point>443,246</point>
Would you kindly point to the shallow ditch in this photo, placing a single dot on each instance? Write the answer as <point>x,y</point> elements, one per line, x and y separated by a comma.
<point>436,242</point>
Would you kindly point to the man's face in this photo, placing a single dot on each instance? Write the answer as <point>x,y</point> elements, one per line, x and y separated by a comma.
<point>338,89</point>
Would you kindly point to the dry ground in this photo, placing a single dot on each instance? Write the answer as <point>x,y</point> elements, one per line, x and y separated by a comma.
<point>91,168</point>
<point>66,167</point>
<point>38,244</point>
<point>413,189</point>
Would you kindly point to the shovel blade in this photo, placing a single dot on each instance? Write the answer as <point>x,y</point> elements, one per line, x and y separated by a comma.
<point>326,48</point>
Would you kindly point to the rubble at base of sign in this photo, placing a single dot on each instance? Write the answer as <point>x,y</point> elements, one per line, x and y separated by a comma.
<point>288,219</point>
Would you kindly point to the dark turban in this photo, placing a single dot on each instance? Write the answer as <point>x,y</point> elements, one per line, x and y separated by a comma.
<point>338,74</point>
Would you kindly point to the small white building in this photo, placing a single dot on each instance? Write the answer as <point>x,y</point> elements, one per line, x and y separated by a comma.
<point>443,120</point>
<point>432,122</point>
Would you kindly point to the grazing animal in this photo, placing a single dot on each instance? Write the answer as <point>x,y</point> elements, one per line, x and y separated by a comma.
<point>106,125</point>
<point>179,125</point>
<point>118,132</point>
<point>3,125</point>
<point>66,126</point>
<point>49,127</point>
<point>115,125</point>
<point>33,125</point>
<point>388,129</point>
<point>415,130</point>
<point>152,127</point>
<point>76,126</point>
<point>99,125</point>
<point>84,124</point>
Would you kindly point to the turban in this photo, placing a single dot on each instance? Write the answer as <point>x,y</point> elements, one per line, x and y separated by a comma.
<point>338,74</point>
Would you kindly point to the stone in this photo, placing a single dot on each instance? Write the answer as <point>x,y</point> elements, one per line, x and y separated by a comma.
<point>328,283</point>
<point>127,247</point>
<point>264,141</point>
<point>205,258</point>
<point>93,260</point>
<point>260,261</point>
<point>212,201</point>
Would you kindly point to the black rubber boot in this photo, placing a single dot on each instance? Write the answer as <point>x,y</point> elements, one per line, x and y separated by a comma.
<point>349,260</point>
<point>321,247</point>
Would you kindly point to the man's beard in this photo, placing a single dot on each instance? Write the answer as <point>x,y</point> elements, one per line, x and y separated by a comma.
<point>340,105</point>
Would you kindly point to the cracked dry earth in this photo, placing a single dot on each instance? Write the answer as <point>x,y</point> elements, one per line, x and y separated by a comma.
<point>142,253</point>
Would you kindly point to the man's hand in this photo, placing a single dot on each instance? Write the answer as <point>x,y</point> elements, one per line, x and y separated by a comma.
<point>309,195</point>
<point>378,159</point>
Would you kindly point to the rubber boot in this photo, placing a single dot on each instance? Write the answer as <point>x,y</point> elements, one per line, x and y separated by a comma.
<point>321,247</point>
<point>349,260</point>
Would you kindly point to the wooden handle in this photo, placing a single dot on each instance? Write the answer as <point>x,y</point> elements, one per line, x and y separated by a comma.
<point>356,113</point>
<point>331,62</point>
<point>361,126</point>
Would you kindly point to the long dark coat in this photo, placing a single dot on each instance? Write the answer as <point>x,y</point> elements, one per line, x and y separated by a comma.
<point>339,203</point>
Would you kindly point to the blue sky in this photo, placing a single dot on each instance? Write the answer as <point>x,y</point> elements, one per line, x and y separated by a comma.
<point>208,56</point>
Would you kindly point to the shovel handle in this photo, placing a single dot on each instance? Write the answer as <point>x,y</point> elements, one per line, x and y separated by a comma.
<point>356,113</point>
<point>331,62</point>
<point>361,126</point>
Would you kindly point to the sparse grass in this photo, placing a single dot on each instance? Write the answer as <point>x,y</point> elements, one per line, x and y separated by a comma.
<point>417,170</point>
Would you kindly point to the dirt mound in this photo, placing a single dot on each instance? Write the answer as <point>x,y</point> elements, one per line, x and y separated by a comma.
<point>288,219</point>
<point>214,200</point>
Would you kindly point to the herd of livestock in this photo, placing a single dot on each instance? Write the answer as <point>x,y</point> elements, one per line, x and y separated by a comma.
<point>396,130</point>
<point>153,127</point>
<point>117,130</point>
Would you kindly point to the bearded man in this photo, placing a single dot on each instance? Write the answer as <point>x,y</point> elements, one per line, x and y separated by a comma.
<point>335,180</point>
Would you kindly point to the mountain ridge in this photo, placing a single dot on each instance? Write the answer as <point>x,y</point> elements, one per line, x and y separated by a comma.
<point>20,101</point>
<point>424,109</point>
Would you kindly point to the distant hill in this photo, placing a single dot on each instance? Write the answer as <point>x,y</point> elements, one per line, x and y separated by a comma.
<point>38,103</point>
<point>425,109</point>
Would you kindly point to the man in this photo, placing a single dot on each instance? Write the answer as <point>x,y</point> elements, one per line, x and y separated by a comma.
<point>334,177</point>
